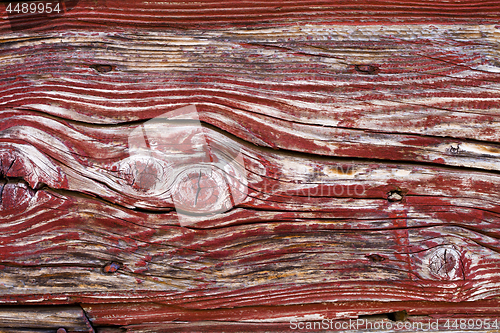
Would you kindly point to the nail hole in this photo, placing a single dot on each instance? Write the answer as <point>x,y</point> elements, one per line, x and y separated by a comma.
<point>375,257</point>
<point>392,316</point>
<point>455,150</point>
<point>101,68</point>
<point>396,195</point>
<point>398,315</point>
<point>367,69</point>
<point>111,268</point>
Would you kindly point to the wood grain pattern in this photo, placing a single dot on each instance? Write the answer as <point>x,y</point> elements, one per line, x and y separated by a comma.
<point>158,15</point>
<point>367,178</point>
<point>43,319</point>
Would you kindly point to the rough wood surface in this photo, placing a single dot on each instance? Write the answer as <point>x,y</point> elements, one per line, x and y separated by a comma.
<point>44,319</point>
<point>204,14</point>
<point>359,144</point>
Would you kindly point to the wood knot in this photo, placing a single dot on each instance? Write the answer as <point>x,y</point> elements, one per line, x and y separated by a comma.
<point>102,68</point>
<point>201,189</point>
<point>15,196</point>
<point>444,263</point>
<point>144,174</point>
<point>367,69</point>
<point>111,267</point>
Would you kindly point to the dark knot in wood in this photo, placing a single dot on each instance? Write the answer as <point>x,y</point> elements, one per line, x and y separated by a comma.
<point>367,69</point>
<point>102,68</point>
<point>375,257</point>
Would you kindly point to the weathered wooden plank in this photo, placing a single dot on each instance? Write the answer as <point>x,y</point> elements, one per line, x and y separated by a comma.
<point>362,175</point>
<point>44,319</point>
<point>413,323</point>
<point>272,257</point>
<point>73,157</point>
<point>133,14</point>
<point>280,318</point>
<point>419,106</point>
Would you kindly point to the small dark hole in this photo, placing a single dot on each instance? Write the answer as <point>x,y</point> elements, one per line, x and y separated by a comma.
<point>375,257</point>
<point>398,315</point>
<point>395,195</point>
<point>102,68</point>
<point>367,69</point>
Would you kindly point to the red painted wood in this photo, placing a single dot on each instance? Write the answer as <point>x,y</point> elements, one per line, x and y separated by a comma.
<point>133,314</point>
<point>343,161</point>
